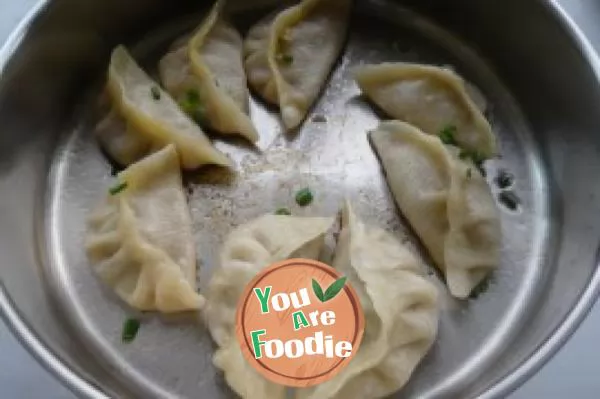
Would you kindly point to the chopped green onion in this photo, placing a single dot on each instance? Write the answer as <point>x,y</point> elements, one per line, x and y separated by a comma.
<point>285,58</point>
<point>130,330</point>
<point>192,96</point>
<point>199,115</point>
<point>447,135</point>
<point>476,157</point>
<point>469,173</point>
<point>155,91</point>
<point>114,190</point>
<point>283,211</point>
<point>185,106</point>
<point>192,106</point>
<point>304,197</point>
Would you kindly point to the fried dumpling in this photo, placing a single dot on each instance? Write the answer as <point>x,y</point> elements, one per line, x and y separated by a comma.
<point>430,98</point>
<point>288,56</point>
<point>205,74</point>
<point>120,141</point>
<point>140,240</point>
<point>247,250</point>
<point>150,119</point>
<point>400,307</point>
<point>446,200</point>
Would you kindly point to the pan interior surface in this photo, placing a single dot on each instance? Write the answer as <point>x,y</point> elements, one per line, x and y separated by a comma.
<point>540,83</point>
<point>172,356</point>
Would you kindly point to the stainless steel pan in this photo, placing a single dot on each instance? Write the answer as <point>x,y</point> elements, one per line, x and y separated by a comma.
<point>536,71</point>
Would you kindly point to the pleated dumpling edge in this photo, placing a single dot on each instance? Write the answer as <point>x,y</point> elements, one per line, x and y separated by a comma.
<point>401,312</point>
<point>152,118</point>
<point>289,56</point>
<point>204,72</point>
<point>446,200</point>
<point>431,98</point>
<point>140,240</point>
<point>248,249</point>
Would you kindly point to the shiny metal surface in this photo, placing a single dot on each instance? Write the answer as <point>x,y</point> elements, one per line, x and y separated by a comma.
<point>542,105</point>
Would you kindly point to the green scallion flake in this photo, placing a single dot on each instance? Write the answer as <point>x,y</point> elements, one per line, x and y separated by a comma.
<point>285,58</point>
<point>186,106</point>
<point>192,96</point>
<point>475,157</point>
<point>304,197</point>
<point>114,190</point>
<point>469,173</point>
<point>155,91</point>
<point>192,106</point>
<point>478,158</point>
<point>447,135</point>
<point>130,330</point>
<point>199,115</point>
<point>283,211</point>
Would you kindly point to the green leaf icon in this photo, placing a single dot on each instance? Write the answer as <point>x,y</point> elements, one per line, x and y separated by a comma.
<point>334,289</point>
<point>331,291</point>
<point>317,290</point>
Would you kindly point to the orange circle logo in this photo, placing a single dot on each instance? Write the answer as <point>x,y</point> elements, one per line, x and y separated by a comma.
<point>299,322</point>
